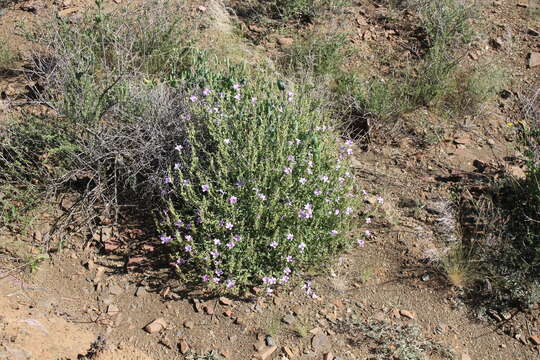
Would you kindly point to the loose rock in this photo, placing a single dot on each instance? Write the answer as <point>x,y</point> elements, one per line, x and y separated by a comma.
<point>328,356</point>
<point>534,59</point>
<point>115,290</point>
<point>225,301</point>
<point>407,314</point>
<point>320,343</point>
<point>183,346</point>
<point>188,324</point>
<point>535,339</point>
<point>141,290</point>
<point>266,353</point>
<point>285,42</point>
<point>269,340</point>
<point>155,326</point>
<point>288,319</point>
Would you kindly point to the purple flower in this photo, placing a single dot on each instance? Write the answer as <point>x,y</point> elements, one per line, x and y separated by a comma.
<point>324,178</point>
<point>205,278</point>
<point>290,236</point>
<point>179,223</point>
<point>261,196</point>
<point>253,100</point>
<point>349,210</point>
<point>236,87</point>
<point>287,271</point>
<point>273,244</point>
<point>179,147</point>
<point>240,183</point>
<point>237,238</point>
<point>214,253</point>
<point>361,242</point>
<point>180,261</point>
<point>341,180</point>
<point>307,212</point>
<point>302,181</point>
<point>302,246</point>
<point>380,200</point>
<point>216,280</point>
<point>333,233</point>
<point>230,284</point>
<point>188,248</point>
<point>287,170</point>
<point>317,192</point>
<point>349,143</point>
<point>349,151</point>
<point>229,226</point>
<point>367,233</point>
<point>284,279</point>
<point>188,238</point>
<point>336,212</point>
<point>368,220</point>
<point>206,91</point>
<point>290,158</point>
<point>218,272</point>
<point>289,259</point>
<point>227,141</point>
<point>168,180</point>
<point>233,200</point>
<point>217,241</point>
<point>193,98</point>
<point>165,239</point>
<point>186,182</point>
<point>230,245</point>
<point>205,188</point>
<point>238,96</point>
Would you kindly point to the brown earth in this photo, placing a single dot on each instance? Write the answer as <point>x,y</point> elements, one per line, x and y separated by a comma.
<point>85,301</point>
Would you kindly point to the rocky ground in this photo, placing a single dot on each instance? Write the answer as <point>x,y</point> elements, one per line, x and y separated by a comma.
<point>112,295</point>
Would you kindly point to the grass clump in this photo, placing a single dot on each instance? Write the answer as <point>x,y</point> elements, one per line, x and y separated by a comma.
<point>259,189</point>
<point>7,58</point>
<point>395,341</point>
<point>318,55</point>
<point>271,11</point>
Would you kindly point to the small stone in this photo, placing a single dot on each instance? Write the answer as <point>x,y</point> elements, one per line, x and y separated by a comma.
<point>425,277</point>
<point>225,301</point>
<point>285,42</point>
<point>227,313</point>
<point>266,353</point>
<point>255,28</point>
<point>328,356</point>
<point>535,339</point>
<point>258,346</point>
<point>534,59</point>
<point>288,319</point>
<point>522,5</point>
<point>112,310</point>
<point>315,331</point>
<point>141,291</point>
<point>202,8</point>
<point>269,340</point>
<point>188,324</point>
<point>155,326</point>
<point>115,290</point>
<point>320,343</point>
<point>183,346</point>
<point>68,11</point>
<point>288,351</point>
<point>208,309</point>
<point>465,356</point>
<point>225,353</point>
<point>407,314</point>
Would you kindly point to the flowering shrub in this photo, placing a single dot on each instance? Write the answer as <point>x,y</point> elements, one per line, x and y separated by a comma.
<point>261,185</point>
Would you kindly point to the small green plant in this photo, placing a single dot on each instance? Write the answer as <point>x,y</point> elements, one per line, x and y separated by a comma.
<point>213,355</point>
<point>319,55</point>
<point>395,341</point>
<point>260,188</point>
<point>290,10</point>
<point>301,328</point>
<point>7,58</point>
